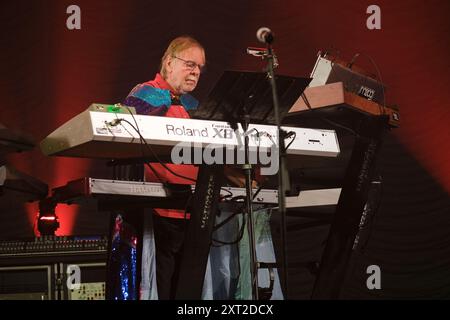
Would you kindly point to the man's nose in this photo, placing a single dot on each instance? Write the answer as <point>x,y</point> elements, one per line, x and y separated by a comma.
<point>196,70</point>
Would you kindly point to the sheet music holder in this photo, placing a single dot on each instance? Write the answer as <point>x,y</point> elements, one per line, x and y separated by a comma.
<point>238,89</point>
<point>246,97</point>
<point>20,186</point>
<point>14,141</point>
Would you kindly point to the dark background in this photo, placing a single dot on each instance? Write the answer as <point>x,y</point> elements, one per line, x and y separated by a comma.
<point>49,74</point>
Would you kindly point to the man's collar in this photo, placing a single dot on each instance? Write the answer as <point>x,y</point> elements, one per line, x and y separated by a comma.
<point>162,97</point>
<point>162,83</point>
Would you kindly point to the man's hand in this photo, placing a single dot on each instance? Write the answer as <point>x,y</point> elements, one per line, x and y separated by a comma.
<point>237,178</point>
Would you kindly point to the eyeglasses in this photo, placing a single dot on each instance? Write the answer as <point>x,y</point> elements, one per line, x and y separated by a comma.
<point>191,65</point>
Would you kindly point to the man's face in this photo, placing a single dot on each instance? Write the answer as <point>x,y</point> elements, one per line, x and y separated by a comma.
<point>183,70</point>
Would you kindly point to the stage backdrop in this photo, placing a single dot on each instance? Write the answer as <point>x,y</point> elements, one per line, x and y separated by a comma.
<point>50,73</point>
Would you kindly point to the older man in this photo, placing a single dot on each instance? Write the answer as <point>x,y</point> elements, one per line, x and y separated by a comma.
<point>168,95</point>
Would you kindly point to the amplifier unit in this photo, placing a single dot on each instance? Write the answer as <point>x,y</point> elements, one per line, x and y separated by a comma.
<point>53,245</point>
<point>330,70</point>
<point>43,268</point>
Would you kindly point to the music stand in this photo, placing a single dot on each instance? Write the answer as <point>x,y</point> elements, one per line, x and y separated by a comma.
<point>246,97</point>
<point>236,90</point>
<point>14,141</point>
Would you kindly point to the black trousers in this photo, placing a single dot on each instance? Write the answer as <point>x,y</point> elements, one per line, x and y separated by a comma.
<point>169,240</point>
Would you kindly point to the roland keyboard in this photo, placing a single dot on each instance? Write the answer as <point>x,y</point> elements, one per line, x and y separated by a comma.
<point>97,133</point>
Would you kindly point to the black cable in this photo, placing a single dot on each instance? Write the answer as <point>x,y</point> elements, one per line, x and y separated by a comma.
<point>295,136</point>
<point>225,221</point>
<point>142,140</point>
<point>257,192</point>
<point>118,120</point>
<point>372,61</point>
<point>221,243</point>
<point>236,211</point>
<point>253,129</point>
<point>230,194</point>
<point>154,154</point>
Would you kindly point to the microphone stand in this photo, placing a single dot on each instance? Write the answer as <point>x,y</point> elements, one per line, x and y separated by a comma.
<point>249,199</point>
<point>283,179</point>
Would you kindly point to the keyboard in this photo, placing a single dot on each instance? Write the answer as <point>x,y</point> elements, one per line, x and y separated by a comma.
<point>96,133</point>
<point>154,192</point>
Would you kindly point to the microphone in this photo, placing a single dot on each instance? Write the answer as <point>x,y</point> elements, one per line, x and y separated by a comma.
<point>263,53</point>
<point>264,35</point>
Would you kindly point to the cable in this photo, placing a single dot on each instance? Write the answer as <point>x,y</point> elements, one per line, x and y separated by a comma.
<point>235,213</point>
<point>382,110</point>
<point>116,122</point>
<point>288,135</point>
<point>142,142</point>
<point>154,154</point>
<point>224,222</point>
<point>230,194</point>
<point>241,230</point>
<point>372,61</point>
